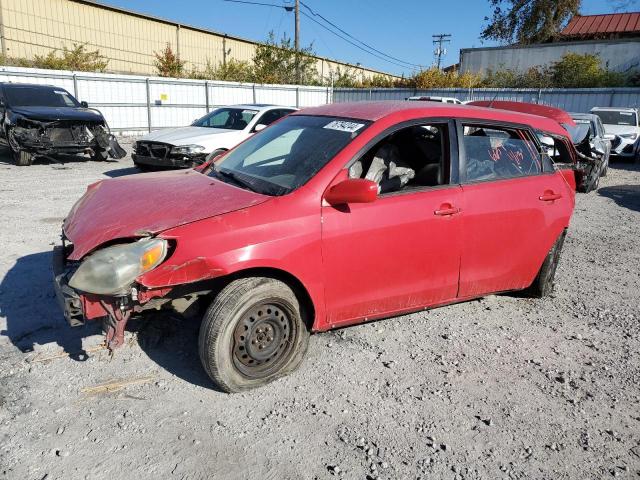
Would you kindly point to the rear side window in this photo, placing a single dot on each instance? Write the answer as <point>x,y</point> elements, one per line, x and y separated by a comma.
<point>494,153</point>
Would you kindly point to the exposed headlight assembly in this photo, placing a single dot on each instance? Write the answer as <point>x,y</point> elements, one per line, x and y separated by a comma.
<point>112,270</point>
<point>188,149</point>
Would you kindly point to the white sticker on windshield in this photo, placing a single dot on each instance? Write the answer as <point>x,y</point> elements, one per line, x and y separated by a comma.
<point>343,126</point>
<point>60,92</point>
<point>626,114</point>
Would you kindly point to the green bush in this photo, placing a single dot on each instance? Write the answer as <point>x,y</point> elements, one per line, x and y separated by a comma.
<point>168,64</point>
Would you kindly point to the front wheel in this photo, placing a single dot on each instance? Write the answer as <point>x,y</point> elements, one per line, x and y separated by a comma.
<point>252,334</point>
<point>544,283</point>
<point>99,156</point>
<point>22,158</point>
<point>605,170</point>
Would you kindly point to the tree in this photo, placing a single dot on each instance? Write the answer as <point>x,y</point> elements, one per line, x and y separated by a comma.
<point>582,71</point>
<point>77,58</point>
<point>168,64</point>
<point>231,71</point>
<point>276,62</point>
<point>528,21</point>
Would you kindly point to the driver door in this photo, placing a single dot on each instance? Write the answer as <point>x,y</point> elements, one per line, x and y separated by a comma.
<point>396,254</point>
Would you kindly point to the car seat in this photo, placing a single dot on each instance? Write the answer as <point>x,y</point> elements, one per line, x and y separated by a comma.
<point>478,156</point>
<point>388,171</point>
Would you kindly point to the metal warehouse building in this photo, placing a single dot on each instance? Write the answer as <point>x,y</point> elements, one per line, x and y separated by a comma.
<point>614,37</point>
<point>128,39</point>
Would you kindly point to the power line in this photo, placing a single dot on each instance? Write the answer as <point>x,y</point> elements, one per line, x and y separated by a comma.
<point>352,43</point>
<point>286,7</point>
<point>395,59</point>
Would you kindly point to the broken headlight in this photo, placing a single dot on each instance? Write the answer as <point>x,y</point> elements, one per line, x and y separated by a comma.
<point>187,149</point>
<point>630,136</point>
<point>112,270</point>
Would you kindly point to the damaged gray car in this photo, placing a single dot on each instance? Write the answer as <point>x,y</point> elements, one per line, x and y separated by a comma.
<point>44,121</point>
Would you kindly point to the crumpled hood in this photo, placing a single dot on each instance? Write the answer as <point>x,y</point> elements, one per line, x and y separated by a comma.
<point>59,113</point>
<point>189,135</point>
<point>145,204</point>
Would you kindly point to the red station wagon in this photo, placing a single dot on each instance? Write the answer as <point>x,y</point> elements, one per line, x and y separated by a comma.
<point>333,216</point>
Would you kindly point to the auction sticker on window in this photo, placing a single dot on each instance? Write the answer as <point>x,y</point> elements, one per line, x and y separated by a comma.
<point>343,126</point>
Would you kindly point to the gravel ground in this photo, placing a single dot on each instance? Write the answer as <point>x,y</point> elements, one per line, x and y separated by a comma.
<point>502,387</point>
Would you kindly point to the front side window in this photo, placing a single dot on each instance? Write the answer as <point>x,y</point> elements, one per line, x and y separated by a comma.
<point>410,158</point>
<point>493,153</point>
<point>26,96</point>
<point>288,154</point>
<point>227,118</point>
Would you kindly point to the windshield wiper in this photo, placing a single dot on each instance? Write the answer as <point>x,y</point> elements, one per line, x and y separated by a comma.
<point>235,179</point>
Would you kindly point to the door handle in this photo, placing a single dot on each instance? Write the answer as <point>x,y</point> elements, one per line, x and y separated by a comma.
<point>549,196</point>
<point>446,209</point>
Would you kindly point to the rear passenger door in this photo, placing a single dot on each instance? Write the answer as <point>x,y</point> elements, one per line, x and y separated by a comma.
<point>514,207</point>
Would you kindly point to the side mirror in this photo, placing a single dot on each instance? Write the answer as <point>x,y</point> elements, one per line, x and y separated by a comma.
<point>259,127</point>
<point>353,190</point>
<point>84,104</point>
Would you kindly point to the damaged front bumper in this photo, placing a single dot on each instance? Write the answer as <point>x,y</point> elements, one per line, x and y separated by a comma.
<point>114,311</point>
<point>624,148</point>
<point>68,299</point>
<point>51,138</point>
<point>157,154</point>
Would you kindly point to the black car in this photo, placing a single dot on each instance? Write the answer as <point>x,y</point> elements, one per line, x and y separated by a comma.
<point>44,120</point>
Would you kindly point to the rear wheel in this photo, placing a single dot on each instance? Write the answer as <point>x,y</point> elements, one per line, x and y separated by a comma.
<point>544,283</point>
<point>252,334</point>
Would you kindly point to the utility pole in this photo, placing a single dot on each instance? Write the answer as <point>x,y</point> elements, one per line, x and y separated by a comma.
<point>297,41</point>
<point>439,40</point>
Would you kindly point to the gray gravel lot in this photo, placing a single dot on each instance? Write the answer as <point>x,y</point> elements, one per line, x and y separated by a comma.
<point>503,387</point>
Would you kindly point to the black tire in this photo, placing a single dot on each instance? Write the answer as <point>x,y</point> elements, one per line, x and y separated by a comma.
<point>143,168</point>
<point>22,158</point>
<point>100,156</point>
<point>252,333</point>
<point>544,283</point>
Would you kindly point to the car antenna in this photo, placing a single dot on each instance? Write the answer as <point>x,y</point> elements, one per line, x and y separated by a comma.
<point>493,100</point>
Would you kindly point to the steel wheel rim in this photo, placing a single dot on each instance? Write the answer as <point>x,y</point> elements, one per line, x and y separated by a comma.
<point>263,339</point>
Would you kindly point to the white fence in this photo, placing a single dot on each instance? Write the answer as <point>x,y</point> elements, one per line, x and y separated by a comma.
<point>136,104</point>
<point>569,99</point>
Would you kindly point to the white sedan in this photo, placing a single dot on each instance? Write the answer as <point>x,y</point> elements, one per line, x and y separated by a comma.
<point>216,132</point>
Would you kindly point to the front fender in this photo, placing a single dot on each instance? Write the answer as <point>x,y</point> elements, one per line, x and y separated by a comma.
<point>268,236</point>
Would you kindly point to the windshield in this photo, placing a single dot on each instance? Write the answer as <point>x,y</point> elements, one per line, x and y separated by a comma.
<point>580,130</point>
<point>610,117</point>
<point>287,154</point>
<point>19,96</point>
<point>227,118</point>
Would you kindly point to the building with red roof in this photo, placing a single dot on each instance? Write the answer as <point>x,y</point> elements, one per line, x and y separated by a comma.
<point>614,37</point>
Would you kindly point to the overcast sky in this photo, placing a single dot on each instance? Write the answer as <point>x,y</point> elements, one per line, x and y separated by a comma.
<point>399,28</point>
